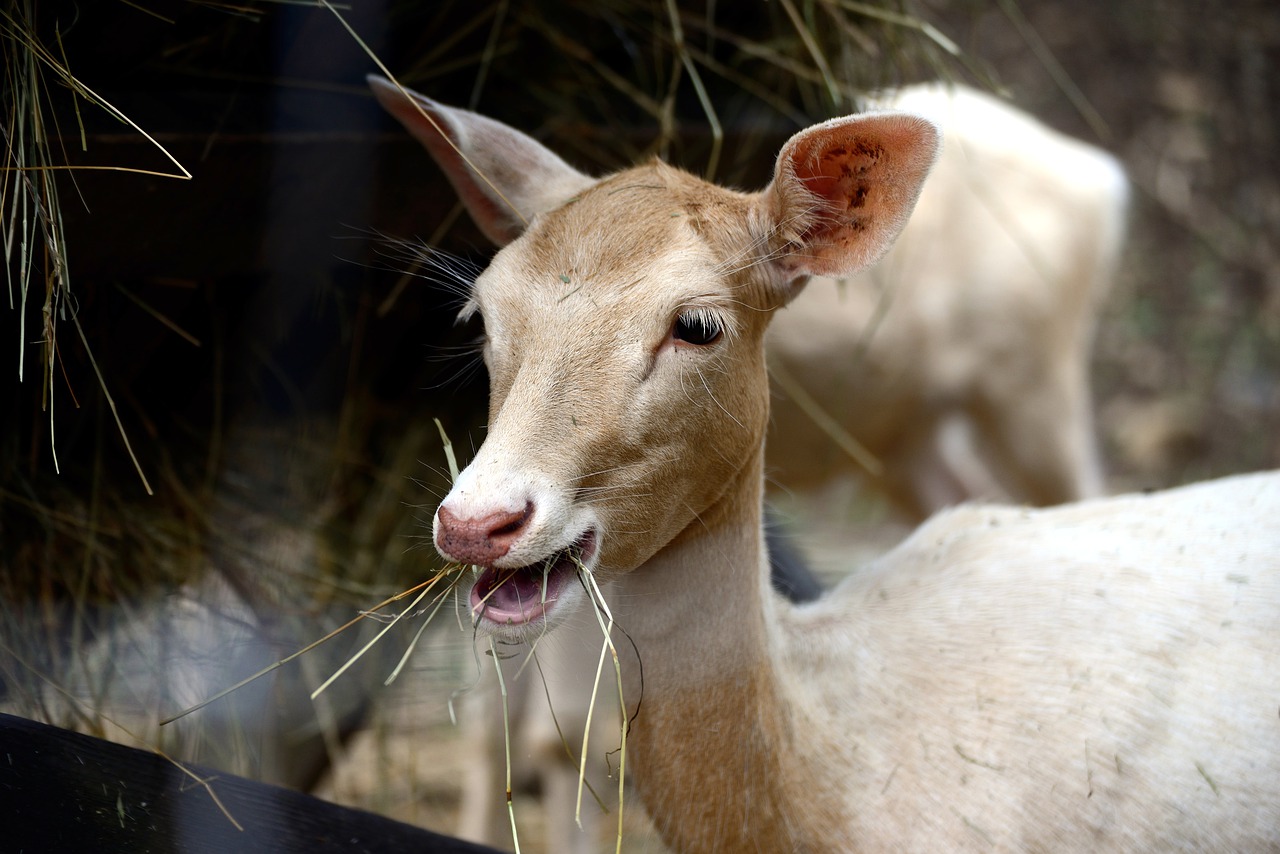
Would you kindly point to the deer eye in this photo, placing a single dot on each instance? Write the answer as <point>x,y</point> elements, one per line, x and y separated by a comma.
<point>697,326</point>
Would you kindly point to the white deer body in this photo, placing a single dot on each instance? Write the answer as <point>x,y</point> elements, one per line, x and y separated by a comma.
<point>1099,677</point>
<point>961,360</point>
<point>1103,676</point>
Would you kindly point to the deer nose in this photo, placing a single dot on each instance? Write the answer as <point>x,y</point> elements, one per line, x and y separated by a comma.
<point>483,539</point>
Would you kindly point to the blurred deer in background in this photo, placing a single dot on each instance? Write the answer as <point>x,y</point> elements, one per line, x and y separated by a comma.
<point>1099,676</point>
<point>960,362</point>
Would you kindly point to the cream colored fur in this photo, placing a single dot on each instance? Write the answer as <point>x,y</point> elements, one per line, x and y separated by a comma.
<point>960,361</point>
<point>1104,676</point>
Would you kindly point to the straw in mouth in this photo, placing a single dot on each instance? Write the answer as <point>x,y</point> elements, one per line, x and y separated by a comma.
<point>520,595</point>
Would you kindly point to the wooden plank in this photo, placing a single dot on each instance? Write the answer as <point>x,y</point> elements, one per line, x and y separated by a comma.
<point>63,791</point>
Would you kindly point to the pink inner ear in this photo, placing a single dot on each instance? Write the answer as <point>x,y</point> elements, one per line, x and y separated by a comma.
<point>840,176</point>
<point>846,187</point>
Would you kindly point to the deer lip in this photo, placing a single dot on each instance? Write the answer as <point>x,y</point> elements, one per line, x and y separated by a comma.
<point>520,595</point>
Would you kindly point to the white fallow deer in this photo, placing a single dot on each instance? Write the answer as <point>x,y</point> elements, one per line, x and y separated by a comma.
<point>961,360</point>
<point>1102,676</point>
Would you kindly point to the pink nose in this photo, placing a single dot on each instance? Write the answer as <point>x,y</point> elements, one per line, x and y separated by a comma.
<point>480,540</point>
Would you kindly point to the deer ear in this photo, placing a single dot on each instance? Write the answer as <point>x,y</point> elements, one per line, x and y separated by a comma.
<point>843,190</point>
<point>503,176</point>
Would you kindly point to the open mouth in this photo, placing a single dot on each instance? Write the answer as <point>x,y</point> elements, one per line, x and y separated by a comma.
<point>519,595</point>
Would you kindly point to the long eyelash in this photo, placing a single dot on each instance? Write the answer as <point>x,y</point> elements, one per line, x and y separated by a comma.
<point>702,318</point>
<point>709,317</point>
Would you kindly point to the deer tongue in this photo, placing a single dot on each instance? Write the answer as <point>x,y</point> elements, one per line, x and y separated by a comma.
<point>521,595</point>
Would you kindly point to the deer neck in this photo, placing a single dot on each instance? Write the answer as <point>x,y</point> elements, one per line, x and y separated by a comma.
<point>713,745</point>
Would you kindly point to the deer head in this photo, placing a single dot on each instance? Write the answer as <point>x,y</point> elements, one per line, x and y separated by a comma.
<point>624,321</point>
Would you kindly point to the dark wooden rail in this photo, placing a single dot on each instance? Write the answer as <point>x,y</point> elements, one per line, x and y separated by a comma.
<point>63,791</point>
